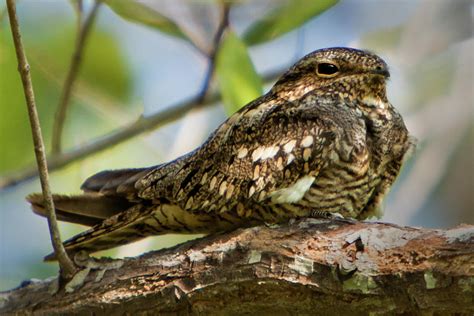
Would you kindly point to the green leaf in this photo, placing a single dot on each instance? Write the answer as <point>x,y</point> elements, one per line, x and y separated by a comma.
<point>137,12</point>
<point>284,19</point>
<point>238,81</point>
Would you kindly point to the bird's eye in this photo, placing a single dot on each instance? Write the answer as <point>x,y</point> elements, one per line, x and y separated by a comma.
<point>327,69</point>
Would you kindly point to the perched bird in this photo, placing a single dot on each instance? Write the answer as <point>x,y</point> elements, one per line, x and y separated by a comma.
<point>323,140</point>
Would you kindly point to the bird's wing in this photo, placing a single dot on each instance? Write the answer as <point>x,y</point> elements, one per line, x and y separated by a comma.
<point>115,182</point>
<point>253,156</point>
<point>122,182</point>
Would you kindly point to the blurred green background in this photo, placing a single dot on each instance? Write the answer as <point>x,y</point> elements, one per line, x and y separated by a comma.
<point>143,57</point>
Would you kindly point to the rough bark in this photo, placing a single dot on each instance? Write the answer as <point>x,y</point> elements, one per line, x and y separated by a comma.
<point>309,267</point>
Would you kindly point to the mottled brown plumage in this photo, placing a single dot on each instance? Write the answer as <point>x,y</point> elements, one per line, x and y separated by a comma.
<point>325,139</point>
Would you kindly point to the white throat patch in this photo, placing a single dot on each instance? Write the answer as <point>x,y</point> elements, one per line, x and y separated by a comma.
<point>374,102</point>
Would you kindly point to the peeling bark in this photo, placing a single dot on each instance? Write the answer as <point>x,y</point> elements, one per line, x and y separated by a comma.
<point>308,267</point>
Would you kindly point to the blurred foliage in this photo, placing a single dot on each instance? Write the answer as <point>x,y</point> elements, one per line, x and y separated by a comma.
<point>103,69</point>
<point>238,81</point>
<point>284,19</point>
<point>137,12</point>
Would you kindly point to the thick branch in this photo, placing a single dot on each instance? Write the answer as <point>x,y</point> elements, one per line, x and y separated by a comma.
<point>310,265</point>
<point>67,267</point>
<point>82,33</point>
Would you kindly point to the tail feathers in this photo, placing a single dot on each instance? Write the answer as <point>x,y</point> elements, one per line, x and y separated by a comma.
<point>118,230</point>
<point>85,209</point>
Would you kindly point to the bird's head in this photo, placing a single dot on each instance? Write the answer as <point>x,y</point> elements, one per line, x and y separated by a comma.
<point>346,73</point>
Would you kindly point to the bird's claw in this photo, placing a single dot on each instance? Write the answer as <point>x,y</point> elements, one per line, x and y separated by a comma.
<point>331,216</point>
<point>87,263</point>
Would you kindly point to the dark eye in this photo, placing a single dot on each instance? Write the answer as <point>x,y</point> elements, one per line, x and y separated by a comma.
<point>327,69</point>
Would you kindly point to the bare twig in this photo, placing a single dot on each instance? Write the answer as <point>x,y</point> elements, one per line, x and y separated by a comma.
<point>223,25</point>
<point>122,134</point>
<point>67,267</point>
<point>82,34</point>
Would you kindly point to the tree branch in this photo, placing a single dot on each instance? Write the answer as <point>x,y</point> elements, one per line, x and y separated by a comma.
<point>82,33</point>
<point>143,124</point>
<point>335,268</point>
<point>67,267</point>
<point>223,25</point>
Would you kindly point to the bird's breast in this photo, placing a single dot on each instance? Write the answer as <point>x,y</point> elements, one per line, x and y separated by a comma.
<point>346,185</point>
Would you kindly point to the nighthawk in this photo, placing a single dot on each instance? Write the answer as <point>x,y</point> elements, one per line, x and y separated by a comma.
<point>323,140</point>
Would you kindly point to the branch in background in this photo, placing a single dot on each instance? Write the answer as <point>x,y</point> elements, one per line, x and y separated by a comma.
<point>83,31</point>
<point>310,266</point>
<point>78,7</point>
<point>67,267</point>
<point>223,25</point>
<point>143,124</point>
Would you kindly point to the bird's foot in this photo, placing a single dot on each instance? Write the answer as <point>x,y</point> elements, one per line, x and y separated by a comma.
<point>331,216</point>
<point>86,265</point>
<point>271,225</point>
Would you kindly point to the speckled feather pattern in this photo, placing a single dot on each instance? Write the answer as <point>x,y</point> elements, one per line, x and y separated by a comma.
<point>314,142</point>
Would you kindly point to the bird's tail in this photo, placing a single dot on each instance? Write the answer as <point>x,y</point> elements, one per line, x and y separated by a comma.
<point>108,216</point>
<point>120,229</point>
<point>85,209</point>
<point>114,226</point>
<point>116,214</point>
<point>138,222</point>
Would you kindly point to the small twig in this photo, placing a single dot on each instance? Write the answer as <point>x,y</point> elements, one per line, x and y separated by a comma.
<point>82,34</point>
<point>122,134</point>
<point>223,25</point>
<point>67,267</point>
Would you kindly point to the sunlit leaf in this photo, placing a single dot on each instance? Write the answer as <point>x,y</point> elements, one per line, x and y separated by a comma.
<point>139,13</point>
<point>284,19</point>
<point>239,83</point>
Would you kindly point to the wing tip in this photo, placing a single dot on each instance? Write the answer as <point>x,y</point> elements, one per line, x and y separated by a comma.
<point>37,203</point>
<point>34,198</point>
<point>50,257</point>
<point>95,182</point>
<point>109,180</point>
